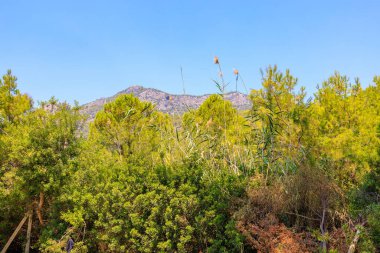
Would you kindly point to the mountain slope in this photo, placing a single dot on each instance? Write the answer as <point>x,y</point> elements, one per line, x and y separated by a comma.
<point>165,102</point>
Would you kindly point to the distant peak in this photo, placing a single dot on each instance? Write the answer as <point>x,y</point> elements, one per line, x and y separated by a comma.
<point>132,89</point>
<point>135,87</point>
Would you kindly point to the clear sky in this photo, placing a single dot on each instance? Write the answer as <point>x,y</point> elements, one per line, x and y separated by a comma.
<point>83,50</point>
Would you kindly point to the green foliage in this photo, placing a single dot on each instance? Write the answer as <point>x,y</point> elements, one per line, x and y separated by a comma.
<point>214,116</point>
<point>131,129</point>
<point>343,121</point>
<point>374,224</point>
<point>13,104</point>
<point>277,121</point>
<point>162,209</point>
<point>365,202</point>
<point>41,153</point>
<point>215,132</point>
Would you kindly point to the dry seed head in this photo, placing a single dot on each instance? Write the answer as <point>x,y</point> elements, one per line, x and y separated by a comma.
<point>216,60</point>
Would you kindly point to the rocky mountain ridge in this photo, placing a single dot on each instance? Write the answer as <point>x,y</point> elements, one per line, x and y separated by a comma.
<point>165,102</point>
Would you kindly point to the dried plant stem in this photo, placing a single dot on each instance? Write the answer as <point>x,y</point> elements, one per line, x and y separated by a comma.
<point>224,108</point>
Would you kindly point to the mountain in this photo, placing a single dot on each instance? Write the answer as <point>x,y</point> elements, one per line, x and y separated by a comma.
<point>165,102</point>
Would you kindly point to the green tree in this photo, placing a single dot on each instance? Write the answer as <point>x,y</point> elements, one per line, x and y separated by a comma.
<point>42,153</point>
<point>343,121</point>
<point>132,129</point>
<point>278,120</point>
<point>215,131</point>
<point>13,104</point>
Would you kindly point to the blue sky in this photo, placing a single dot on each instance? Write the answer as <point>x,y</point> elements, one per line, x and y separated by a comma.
<point>83,50</point>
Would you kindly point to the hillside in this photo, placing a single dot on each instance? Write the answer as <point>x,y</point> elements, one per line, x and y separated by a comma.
<point>165,102</point>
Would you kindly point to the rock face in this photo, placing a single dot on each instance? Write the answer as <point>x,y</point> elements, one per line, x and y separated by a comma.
<point>165,102</point>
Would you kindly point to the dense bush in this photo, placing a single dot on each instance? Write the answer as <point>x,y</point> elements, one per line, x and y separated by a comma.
<point>288,175</point>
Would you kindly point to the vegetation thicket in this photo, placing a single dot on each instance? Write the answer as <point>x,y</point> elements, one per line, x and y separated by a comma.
<point>288,175</point>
